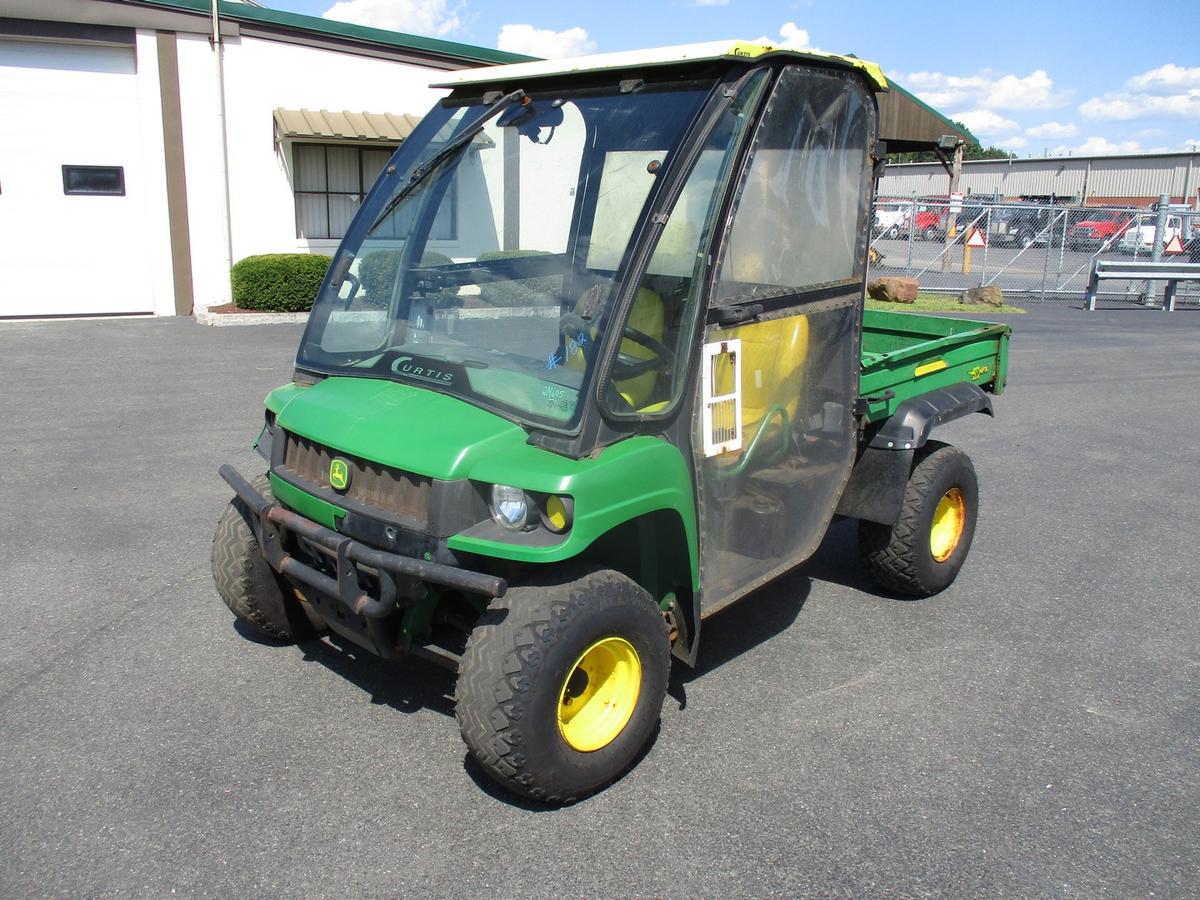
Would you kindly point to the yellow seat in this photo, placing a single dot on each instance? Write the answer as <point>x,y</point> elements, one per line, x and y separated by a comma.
<point>649,317</point>
<point>774,354</point>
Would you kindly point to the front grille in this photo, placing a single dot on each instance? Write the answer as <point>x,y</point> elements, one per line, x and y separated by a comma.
<point>400,494</point>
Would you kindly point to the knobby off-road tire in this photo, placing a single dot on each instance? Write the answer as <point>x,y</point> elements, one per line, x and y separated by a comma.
<point>522,669</point>
<point>247,584</point>
<point>911,557</point>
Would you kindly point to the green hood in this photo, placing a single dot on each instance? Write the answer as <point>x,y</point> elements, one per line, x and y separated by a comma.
<point>396,424</point>
<point>432,434</point>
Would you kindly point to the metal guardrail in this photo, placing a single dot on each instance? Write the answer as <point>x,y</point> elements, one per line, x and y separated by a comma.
<point>1170,272</point>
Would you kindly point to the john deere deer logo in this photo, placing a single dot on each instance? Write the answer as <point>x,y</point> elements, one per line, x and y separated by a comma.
<point>339,474</point>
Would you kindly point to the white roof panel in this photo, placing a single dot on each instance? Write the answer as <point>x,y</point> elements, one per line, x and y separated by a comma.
<point>632,59</point>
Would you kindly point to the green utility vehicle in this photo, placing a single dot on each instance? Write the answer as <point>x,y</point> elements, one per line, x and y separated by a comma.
<point>590,365</point>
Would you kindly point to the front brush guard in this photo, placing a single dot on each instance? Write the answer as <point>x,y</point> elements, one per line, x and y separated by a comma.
<point>402,579</point>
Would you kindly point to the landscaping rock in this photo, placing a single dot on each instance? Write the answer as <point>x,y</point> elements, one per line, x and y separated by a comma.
<point>893,289</point>
<point>988,296</point>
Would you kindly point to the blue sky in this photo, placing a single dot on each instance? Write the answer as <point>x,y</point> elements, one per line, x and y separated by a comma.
<point>1051,77</point>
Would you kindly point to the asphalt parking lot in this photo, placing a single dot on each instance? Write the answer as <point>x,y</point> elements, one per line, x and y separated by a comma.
<point>1034,731</point>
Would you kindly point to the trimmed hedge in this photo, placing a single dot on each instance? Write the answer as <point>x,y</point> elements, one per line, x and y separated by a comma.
<point>377,271</point>
<point>533,291</point>
<point>278,282</point>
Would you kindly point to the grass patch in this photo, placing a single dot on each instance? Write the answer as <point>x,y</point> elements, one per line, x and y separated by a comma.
<point>942,303</point>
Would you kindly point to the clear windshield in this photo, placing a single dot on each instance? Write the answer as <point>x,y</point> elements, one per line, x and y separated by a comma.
<point>491,276</point>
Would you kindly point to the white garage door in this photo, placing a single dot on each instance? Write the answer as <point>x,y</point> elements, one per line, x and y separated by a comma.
<point>72,184</point>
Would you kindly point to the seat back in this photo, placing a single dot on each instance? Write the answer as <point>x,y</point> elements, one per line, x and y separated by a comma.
<point>649,317</point>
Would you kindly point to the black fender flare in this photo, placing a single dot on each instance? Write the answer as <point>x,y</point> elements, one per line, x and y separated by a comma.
<point>909,426</point>
<point>875,489</point>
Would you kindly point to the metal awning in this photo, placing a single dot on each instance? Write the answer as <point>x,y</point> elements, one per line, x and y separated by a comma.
<point>909,124</point>
<point>345,125</point>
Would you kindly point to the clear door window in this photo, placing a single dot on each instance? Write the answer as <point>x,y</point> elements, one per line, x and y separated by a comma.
<point>800,221</point>
<point>652,362</point>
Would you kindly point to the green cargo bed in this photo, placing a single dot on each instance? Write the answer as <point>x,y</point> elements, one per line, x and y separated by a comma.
<point>908,354</point>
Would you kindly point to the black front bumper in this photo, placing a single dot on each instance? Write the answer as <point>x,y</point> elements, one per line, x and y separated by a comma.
<point>341,601</point>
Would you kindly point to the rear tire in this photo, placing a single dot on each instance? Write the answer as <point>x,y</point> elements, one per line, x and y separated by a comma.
<point>533,718</point>
<point>923,552</point>
<point>246,582</point>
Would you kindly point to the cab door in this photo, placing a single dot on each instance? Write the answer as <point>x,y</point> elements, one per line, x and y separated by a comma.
<point>773,429</point>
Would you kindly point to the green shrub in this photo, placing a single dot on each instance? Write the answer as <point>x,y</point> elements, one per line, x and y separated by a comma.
<point>377,272</point>
<point>278,282</point>
<point>520,292</point>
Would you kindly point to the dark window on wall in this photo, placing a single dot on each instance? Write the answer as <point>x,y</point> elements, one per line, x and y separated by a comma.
<point>331,181</point>
<point>108,180</point>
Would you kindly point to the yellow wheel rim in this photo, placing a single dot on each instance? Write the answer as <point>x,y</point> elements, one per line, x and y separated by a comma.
<point>599,694</point>
<point>948,521</point>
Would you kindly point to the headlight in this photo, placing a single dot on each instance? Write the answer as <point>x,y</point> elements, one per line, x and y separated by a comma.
<point>510,507</point>
<point>557,513</point>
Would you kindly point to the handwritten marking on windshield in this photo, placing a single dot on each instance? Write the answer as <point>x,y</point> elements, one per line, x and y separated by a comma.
<point>559,399</point>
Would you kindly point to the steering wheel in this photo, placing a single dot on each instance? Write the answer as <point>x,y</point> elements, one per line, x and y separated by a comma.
<point>628,366</point>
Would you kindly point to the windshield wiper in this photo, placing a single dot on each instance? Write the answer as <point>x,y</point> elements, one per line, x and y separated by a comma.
<point>449,149</point>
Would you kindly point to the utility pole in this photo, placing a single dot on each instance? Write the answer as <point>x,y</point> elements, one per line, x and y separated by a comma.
<point>218,47</point>
<point>1160,229</point>
<point>952,217</point>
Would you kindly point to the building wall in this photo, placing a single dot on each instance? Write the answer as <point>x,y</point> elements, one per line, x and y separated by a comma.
<point>261,75</point>
<point>82,83</point>
<point>1138,180</point>
<point>68,103</point>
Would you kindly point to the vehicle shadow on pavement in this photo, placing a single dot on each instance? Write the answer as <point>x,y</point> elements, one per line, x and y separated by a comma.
<point>407,685</point>
<point>837,561</point>
<point>740,628</point>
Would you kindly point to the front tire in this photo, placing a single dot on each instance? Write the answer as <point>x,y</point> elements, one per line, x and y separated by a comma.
<point>561,684</point>
<point>247,583</point>
<point>923,552</point>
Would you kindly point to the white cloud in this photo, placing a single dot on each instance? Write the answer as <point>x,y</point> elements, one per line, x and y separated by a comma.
<point>1123,107</point>
<point>986,90</point>
<point>794,37</point>
<point>1053,130</point>
<point>1169,91</point>
<point>1034,91</point>
<point>432,17</point>
<point>1098,146</point>
<point>791,36</point>
<point>1191,144</point>
<point>1167,79</point>
<point>984,121</point>
<point>544,42</point>
<point>711,3</point>
<point>1016,142</point>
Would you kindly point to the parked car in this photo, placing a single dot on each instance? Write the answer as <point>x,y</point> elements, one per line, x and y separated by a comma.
<point>929,221</point>
<point>892,219</point>
<point>1021,226</point>
<point>932,218</point>
<point>1097,229</point>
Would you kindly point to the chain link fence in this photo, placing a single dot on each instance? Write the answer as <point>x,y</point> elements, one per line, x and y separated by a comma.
<point>1033,252</point>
